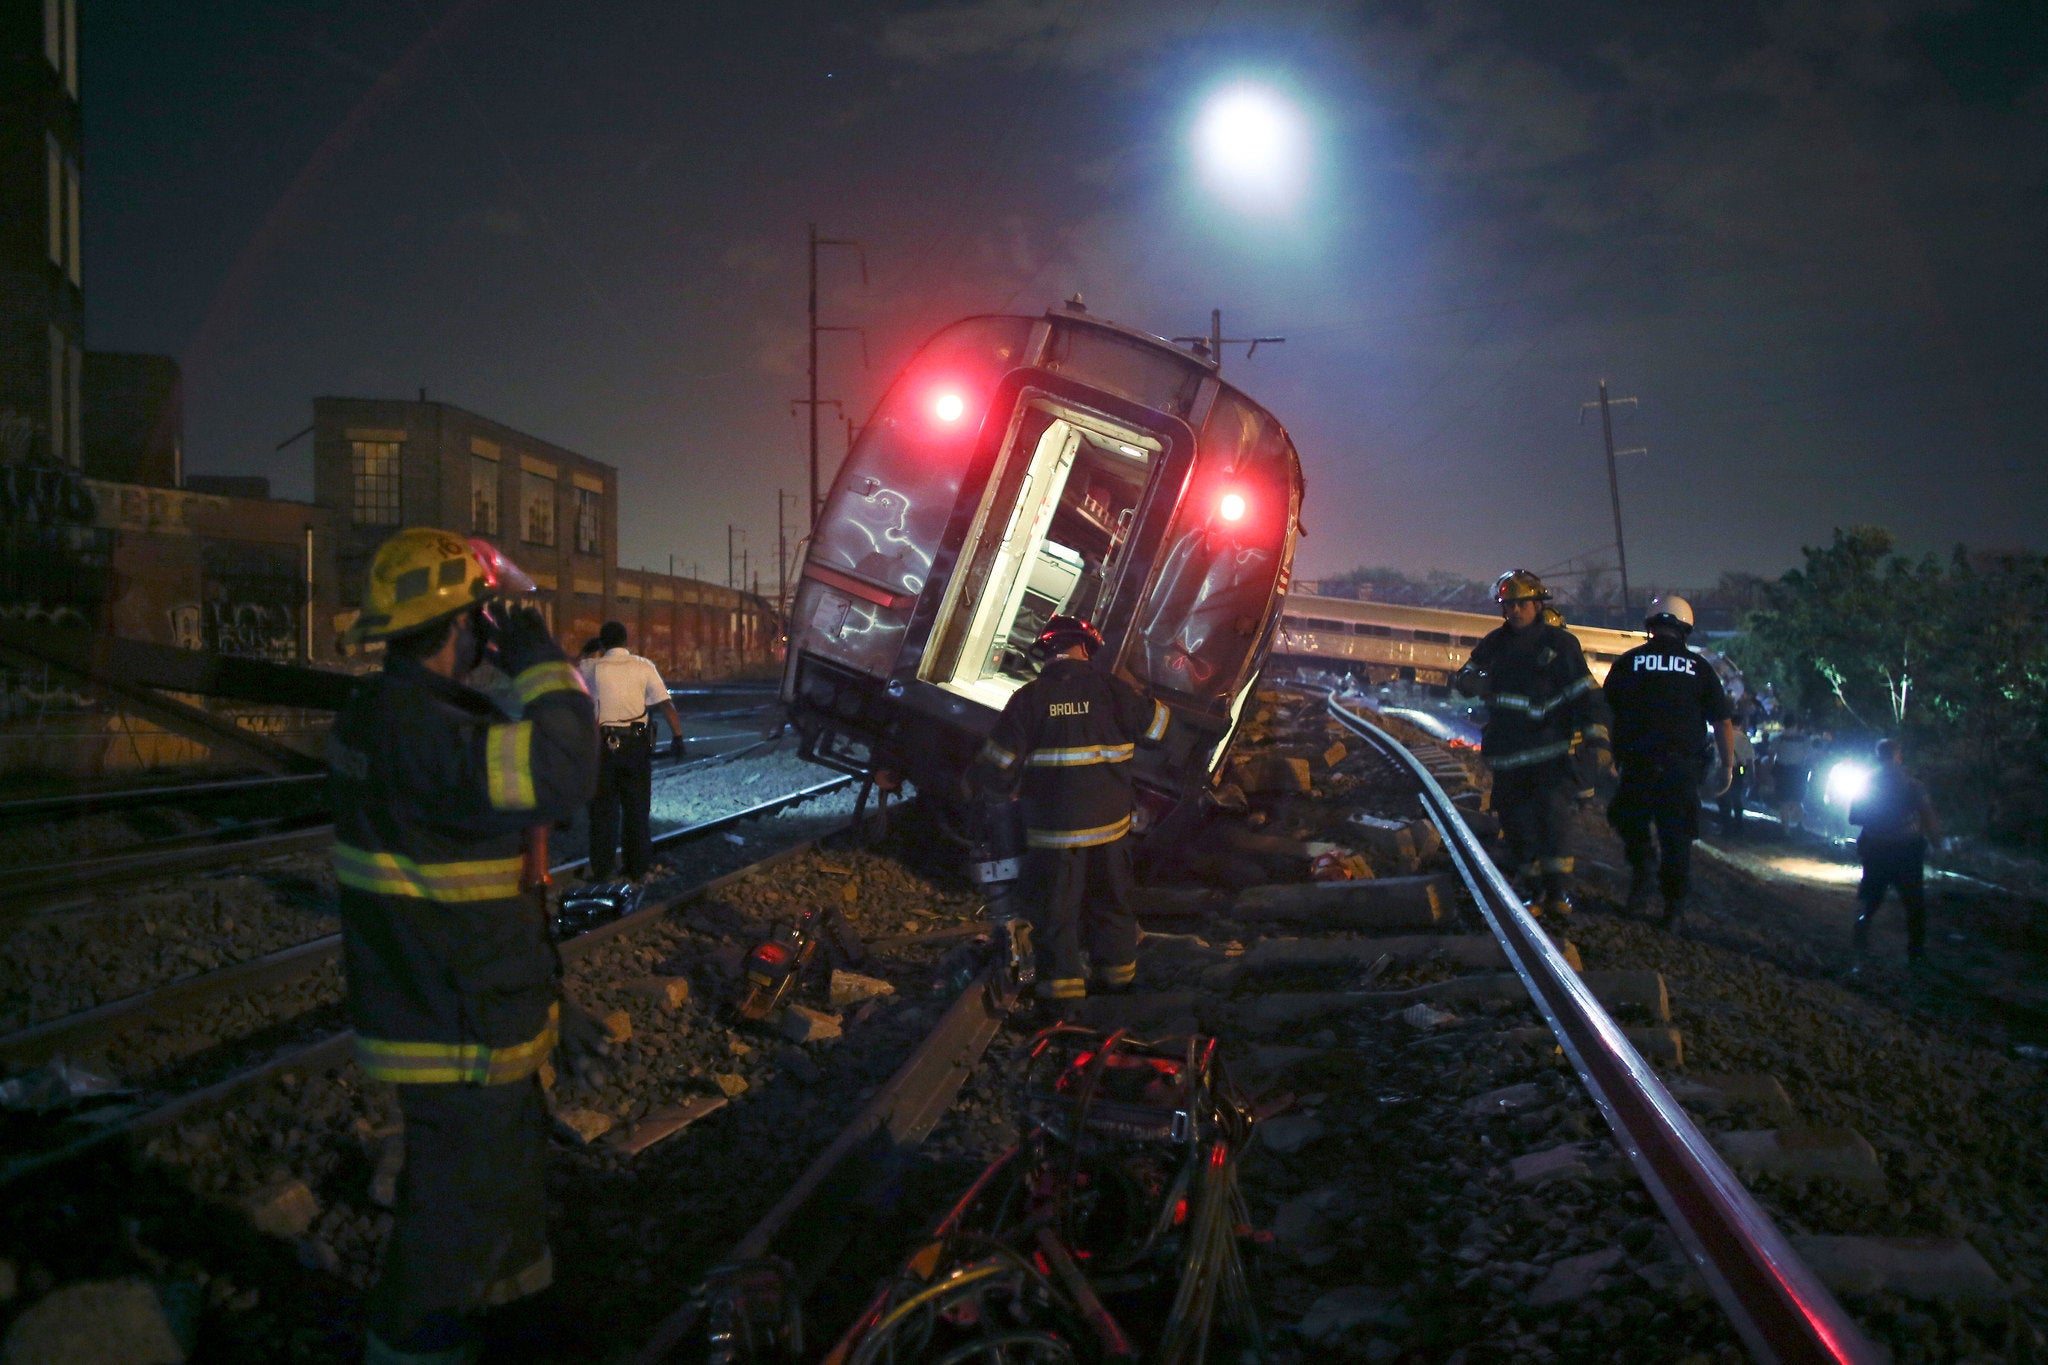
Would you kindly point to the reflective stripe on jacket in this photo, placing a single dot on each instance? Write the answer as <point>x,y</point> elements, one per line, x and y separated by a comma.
<point>451,978</point>
<point>1541,696</point>
<point>1073,732</point>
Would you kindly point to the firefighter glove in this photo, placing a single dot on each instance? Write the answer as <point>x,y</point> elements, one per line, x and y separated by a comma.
<point>520,639</point>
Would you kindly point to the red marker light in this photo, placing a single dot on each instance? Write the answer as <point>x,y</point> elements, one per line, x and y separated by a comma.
<point>1231,508</point>
<point>949,407</point>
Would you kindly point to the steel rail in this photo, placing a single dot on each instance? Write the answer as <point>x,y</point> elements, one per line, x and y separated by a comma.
<point>92,803</point>
<point>335,1048</point>
<point>1775,1302</point>
<point>46,885</point>
<point>37,1043</point>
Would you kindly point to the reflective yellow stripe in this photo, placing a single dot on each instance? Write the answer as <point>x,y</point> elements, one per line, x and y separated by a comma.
<point>1081,755</point>
<point>1077,838</point>
<point>1119,976</point>
<point>997,754</point>
<point>542,679</point>
<point>1592,732</point>
<point>1528,756</point>
<point>1063,988</point>
<point>393,874</point>
<point>385,1059</point>
<point>1556,864</point>
<point>1160,715</point>
<point>508,765</point>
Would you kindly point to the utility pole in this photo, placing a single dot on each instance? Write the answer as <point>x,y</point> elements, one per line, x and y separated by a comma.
<point>1614,480</point>
<point>813,401</point>
<point>1212,345</point>
<point>781,558</point>
<point>730,561</point>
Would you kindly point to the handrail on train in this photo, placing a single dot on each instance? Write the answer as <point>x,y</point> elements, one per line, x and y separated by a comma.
<point>1776,1303</point>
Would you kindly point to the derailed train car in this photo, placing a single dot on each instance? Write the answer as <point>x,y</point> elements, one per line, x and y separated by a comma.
<point>1020,467</point>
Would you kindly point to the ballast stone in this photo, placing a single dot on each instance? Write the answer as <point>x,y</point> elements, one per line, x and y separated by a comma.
<point>95,1322</point>
<point>1925,1268</point>
<point>1575,1277</point>
<point>285,1209</point>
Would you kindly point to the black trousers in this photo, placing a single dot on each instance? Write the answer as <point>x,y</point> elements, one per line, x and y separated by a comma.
<point>1535,806</point>
<point>1660,797</point>
<point>1889,863</point>
<point>1732,802</point>
<point>471,1225</point>
<point>1081,896</point>
<point>625,783</point>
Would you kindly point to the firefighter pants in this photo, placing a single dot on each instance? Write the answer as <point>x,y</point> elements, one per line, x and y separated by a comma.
<point>1656,812</point>
<point>1535,806</point>
<point>625,781</point>
<point>470,1231</point>
<point>1082,897</point>
<point>1889,863</point>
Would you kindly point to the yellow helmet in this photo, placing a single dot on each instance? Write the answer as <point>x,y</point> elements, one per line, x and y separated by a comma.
<point>1519,586</point>
<point>421,575</point>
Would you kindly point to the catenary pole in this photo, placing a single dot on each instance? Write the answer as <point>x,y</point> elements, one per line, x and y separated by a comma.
<point>1614,483</point>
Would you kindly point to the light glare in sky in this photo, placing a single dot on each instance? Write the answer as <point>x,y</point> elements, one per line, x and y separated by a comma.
<point>1252,147</point>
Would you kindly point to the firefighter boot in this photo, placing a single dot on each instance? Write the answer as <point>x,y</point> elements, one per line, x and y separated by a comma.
<point>1557,902</point>
<point>1674,913</point>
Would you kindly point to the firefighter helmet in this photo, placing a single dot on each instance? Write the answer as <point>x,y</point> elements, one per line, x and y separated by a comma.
<point>1519,586</point>
<point>1062,633</point>
<point>421,575</point>
<point>1670,611</point>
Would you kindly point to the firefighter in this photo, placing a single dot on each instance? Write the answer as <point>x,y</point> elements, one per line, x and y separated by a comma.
<point>1543,712</point>
<point>1070,734</point>
<point>1665,699</point>
<point>452,980</point>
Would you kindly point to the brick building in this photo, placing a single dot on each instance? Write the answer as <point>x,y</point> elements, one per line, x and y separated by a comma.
<point>379,464</point>
<point>42,303</point>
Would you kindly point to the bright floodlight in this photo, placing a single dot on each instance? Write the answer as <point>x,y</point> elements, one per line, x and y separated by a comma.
<point>1847,782</point>
<point>1232,507</point>
<point>1252,146</point>
<point>949,407</point>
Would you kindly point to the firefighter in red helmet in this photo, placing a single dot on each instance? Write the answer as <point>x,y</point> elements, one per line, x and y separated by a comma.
<point>1067,738</point>
<point>452,984</point>
<point>1542,709</point>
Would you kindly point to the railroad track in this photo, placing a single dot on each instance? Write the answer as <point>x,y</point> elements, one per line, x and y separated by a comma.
<point>46,887</point>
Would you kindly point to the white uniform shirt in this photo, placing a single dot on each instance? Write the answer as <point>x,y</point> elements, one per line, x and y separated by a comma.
<point>624,685</point>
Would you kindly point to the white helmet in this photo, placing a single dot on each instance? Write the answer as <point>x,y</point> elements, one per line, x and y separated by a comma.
<point>1670,610</point>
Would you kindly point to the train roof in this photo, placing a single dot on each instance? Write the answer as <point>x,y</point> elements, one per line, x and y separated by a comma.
<point>1609,642</point>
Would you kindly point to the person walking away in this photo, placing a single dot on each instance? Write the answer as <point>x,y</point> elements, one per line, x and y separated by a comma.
<point>626,686</point>
<point>1897,821</point>
<point>1665,699</point>
<point>1791,764</point>
<point>452,980</point>
<point>1541,705</point>
<point>1070,734</point>
<point>1734,799</point>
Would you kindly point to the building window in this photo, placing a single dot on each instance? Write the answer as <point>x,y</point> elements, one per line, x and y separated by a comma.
<point>63,208</point>
<point>537,503</point>
<point>374,467</point>
<point>589,522</point>
<point>60,40</point>
<point>67,365</point>
<point>483,495</point>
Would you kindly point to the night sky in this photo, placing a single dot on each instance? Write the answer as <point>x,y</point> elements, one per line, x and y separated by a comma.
<point>1811,238</point>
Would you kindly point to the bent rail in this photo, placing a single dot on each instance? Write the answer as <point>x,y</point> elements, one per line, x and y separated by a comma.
<point>1774,1301</point>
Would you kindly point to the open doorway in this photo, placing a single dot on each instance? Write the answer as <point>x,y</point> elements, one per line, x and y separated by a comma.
<point>1058,546</point>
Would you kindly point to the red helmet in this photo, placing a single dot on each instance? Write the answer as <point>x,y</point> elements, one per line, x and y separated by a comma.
<point>1062,633</point>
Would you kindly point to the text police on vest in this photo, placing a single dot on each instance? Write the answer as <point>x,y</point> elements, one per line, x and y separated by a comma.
<point>1662,663</point>
<point>1067,708</point>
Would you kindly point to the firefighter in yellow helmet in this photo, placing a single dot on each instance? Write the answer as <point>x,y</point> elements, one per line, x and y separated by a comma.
<point>1541,706</point>
<point>452,981</point>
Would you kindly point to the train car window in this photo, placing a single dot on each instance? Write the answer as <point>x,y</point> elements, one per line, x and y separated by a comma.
<point>1124,365</point>
<point>898,487</point>
<point>1059,549</point>
<point>1434,637</point>
<point>1218,581</point>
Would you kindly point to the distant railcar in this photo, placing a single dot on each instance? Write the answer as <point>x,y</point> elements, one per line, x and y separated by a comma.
<point>1020,467</point>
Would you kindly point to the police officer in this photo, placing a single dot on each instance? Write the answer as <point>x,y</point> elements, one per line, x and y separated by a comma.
<point>452,982</point>
<point>1541,708</point>
<point>1071,733</point>
<point>1665,698</point>
<point>625,687</point>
